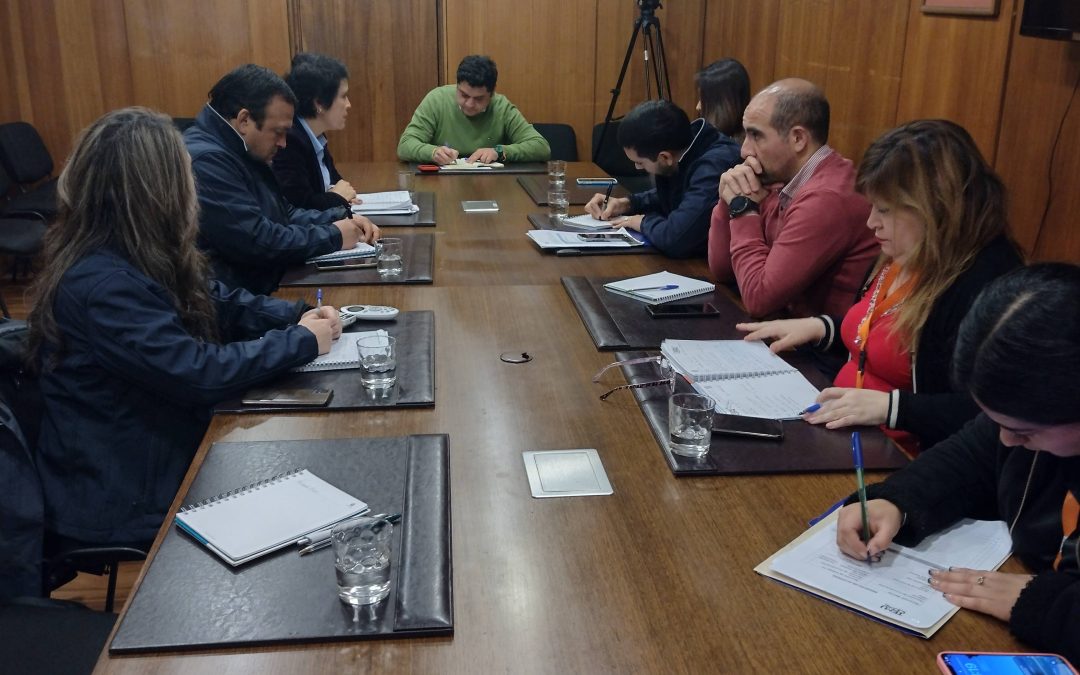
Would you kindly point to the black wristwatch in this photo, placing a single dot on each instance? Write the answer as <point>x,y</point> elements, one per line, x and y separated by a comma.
<point>741,205</point>
<point>500,153</point>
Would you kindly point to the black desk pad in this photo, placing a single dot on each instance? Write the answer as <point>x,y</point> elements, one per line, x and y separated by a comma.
<point>617,322</point>
<point>417,254</point>
<point>541,221</point>
<point>425,217</point>
<point>191,599</point>
<point>537,188</point>
<point>805,448</point>
<point>512,167</point>
<point>415,386</point>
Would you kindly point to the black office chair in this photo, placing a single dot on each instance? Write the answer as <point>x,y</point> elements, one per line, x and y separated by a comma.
<point>51,636</point>
<point>29,164</point>
<point>613,160</point>
<point>182,123</point>
<point>36,563</point>
<point>562,140</point>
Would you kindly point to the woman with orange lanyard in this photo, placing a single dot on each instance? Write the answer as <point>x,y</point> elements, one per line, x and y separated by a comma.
<point>939,214</point>
<point>1018,355</point>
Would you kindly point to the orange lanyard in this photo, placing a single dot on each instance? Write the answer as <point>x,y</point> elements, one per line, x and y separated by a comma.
<point>889,301</point>
<point>1070,511</point>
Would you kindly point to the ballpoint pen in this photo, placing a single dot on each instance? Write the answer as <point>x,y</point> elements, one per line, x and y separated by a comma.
<point>321,539</point>
<point>856,453</point>
<point>318,299</point>
<point>665,287</point>
<point>607,196</point>
<point>813,407</point>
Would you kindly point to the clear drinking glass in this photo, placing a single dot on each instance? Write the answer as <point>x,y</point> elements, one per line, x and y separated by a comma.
<point>362,559</point>
<point>390,261</point>
<point>558,204</point>
<point>690,418</point>
<point>378,361</point>
<point>405,180</point>
<point>557,174</point>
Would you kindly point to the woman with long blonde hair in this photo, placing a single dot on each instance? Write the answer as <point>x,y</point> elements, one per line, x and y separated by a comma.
<point>939,215</point>
<point>133,342</point>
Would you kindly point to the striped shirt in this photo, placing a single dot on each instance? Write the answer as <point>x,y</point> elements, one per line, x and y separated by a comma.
<point>803,176</point>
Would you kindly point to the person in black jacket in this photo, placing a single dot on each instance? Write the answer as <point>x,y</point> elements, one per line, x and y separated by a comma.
<point>1018,354</point>
<point>133,342</point>
<point>304,167</point>
<point>249,231</point>
<point>939,213</point>
<point>685,160</point>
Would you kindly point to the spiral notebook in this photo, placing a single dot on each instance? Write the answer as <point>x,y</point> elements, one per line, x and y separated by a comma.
<point>256,519</point>
<point>660,287</point>
<point>744,378</point>
<point>343,353</point>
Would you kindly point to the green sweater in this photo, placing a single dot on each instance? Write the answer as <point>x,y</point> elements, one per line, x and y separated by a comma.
<point>438,121</point>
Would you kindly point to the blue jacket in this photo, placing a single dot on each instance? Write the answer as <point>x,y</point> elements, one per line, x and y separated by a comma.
<point>249,231</point>
<point>130,398</point>
<point>677,211</point>
<point>299,174</point>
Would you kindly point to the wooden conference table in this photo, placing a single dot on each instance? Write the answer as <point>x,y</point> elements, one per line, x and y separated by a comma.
<point>655,578</point>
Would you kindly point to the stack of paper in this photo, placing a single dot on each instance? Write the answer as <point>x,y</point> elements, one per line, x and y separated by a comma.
<point>547,239</point>
<point>397,202</point>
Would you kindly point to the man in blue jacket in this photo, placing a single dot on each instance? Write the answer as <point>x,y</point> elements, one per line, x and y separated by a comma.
<point>249,231</point>
<point>685,160</point>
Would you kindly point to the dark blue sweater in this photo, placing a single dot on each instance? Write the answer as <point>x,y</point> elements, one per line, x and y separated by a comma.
<point>246,227</point>
<point>129,400</point>
<point>677,211</point>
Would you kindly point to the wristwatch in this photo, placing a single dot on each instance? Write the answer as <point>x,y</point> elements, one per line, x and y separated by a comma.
<point>500,153</point>
<point>741,205</point>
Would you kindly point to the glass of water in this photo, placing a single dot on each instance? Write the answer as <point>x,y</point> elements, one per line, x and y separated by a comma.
<point>557,174</point>
<point>558,204</point>
<point>378,361</point>
<point>690,418</point>
<point>390,256</point>
<point>405,180</point>
<point>362,559</point>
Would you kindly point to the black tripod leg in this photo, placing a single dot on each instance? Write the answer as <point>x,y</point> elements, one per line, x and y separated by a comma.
<point>618,88</point>
<point>660,64</point>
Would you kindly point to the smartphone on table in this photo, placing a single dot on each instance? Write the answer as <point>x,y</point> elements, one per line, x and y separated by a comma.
<point>682,310</point>
<point>1000,663</point>
<point>272,397</point>
<point>597,182</point>
<point>753,427</point>
<point>347,263</point>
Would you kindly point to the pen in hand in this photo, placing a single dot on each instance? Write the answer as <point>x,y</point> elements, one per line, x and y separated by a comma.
<point>318,299</point>
<point>856,454</point>
<point>607,196</point>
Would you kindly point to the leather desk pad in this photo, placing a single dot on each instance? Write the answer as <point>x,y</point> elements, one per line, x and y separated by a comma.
<point>425,217</point>
<point>418,256</point>
<point>190,599</point>
<point>415,335</point>
<point>541,221</point>
<point>805,447</point>
<point>617,322</point>
<point>537,188</point>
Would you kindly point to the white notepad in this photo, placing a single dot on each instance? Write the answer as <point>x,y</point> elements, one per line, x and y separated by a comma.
<point>361,250</point>
<point>650,288</point>
<point>744,378</point>
<point>588,222</point>
<point>257,519</point>
<point>462,163</point>
<point>343,353</point>
<point>395,202</point>
<point>893,590</point>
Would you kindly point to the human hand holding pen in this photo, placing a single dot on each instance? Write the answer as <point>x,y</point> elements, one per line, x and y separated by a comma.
<point>444,154</point>
<point>883,520</point>
<point>604,208</point>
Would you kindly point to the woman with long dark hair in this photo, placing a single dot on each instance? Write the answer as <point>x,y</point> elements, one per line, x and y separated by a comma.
<point>1018,354</point>
<point>133,342</point>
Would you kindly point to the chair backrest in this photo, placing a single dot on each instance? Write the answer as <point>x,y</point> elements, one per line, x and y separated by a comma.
<point>22,502</point>
<point>611,157</point>
<point>182,123</point>
<point>24,153</point>
<point>561,138</point>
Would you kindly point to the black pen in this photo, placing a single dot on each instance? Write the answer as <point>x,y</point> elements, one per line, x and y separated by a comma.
<point>607,196</point>
<point>320,540</point>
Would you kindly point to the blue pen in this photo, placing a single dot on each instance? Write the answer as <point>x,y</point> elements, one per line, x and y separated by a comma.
<point>318,299</point>
<point>856,453</point>
<point>813,407</point>
<point>667,287</point>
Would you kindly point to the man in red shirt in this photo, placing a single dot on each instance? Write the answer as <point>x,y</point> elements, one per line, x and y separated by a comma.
<point>789,227</point>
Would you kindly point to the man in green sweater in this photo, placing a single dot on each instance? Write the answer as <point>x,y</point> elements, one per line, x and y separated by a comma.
<point>470,120</point>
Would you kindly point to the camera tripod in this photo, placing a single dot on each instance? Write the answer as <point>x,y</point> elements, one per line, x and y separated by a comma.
<point>648,26</point>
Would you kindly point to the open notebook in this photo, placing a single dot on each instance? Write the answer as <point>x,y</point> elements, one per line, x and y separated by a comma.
<point>256,519</point>
<point>461,163</point>
<point>660,287</point>
<point>744,378</point>
<point>588,222</point>
<point>343,353</point>
<point>892,591</point>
